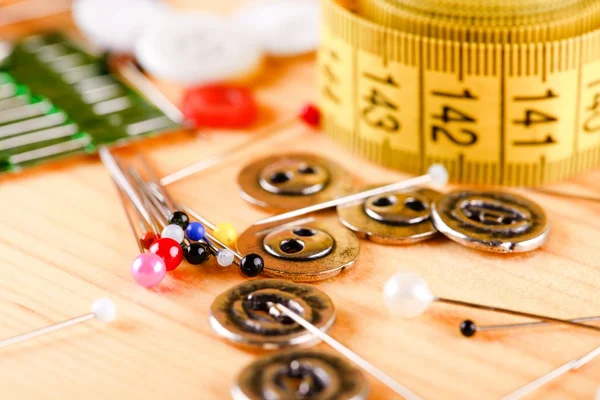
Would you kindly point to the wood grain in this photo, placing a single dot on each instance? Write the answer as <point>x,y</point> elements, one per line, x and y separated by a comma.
<point>64,241</point>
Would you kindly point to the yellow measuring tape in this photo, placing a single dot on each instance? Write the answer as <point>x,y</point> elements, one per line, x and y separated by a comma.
<point>499,91</point>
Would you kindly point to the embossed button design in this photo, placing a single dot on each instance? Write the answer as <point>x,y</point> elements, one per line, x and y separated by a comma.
<point>491,221</point>
<point>291,181</point>
<point>397,218</point>
<point>243,314</point>
<point>309,249</point>
<point>301,375</point>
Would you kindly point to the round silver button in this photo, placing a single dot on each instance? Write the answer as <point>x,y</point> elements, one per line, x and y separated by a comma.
<point>294,177</point>
<point>292,181</point>
<point>244,313</point>
<point>491,221</point>
<point>301,375</point>
<point>397,218</point>
<point>305,250</point>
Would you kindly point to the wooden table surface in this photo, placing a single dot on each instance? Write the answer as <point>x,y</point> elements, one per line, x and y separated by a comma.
<point>64,241</point>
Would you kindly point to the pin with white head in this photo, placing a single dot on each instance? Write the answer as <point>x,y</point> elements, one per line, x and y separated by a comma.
<point>407,294</point>
<point>148,269</point>
<point>103,309</point>
<point>437,175</point>
<point>197,239</point>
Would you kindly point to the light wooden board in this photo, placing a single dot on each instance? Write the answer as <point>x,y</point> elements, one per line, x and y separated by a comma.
<point>64,241</point>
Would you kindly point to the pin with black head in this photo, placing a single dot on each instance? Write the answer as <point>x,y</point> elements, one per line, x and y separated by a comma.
<point>468,328</point>
<point>198,241</point>
<point>150,266</point>
<point>104,310</point>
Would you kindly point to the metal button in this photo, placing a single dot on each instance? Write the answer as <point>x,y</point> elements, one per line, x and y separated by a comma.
<point>301,375</point>
<point>300,243</point>
<point>491,221</point>
<point>397,218</point>
<point>291,181</point>
<point>243,314</point>
<point>309,249</point>
<point>294,177</point>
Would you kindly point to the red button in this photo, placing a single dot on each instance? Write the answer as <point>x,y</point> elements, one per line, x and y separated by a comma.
<point>220,106</point>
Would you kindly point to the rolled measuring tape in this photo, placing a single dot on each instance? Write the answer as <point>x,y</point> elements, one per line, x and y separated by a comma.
<point>499,91</point>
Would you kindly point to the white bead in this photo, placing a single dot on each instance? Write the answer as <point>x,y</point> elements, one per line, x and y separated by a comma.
<point>174,232</point>
<point>225,257</point>
<point>282,27</point>
<point>407,294</point>
<point>193,48</point>
<point>104,309</point>
<point>438,174</point>
<point>115,24</point>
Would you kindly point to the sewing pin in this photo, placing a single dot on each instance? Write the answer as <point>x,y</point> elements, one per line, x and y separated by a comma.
<point>122,181</point>
<point>408,295</point>
<point>138,239</point>
<point>217,158</point>
<point>468,328</point>
<point>346,352</point>
<point>225,255</point>
<point>148,269</point>
<point>436,174</point>
<point>103,309</point>
<point>250,265</point>
<point>552,375</point>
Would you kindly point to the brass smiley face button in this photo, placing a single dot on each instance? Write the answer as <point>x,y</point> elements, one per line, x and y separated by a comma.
<point>305,250</point>
<point>301,375</point>
<point>396,218</point>
<point>491,221</point>
<point>243,314</point>
<point>291,181</point>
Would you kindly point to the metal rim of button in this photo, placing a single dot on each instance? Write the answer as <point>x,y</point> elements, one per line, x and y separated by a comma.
<point>243,314</point>
<point>333,181</point>
<point>413,223</point>
<point>323,376</point>
<point>302,260</point>
<point>493,221</point>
